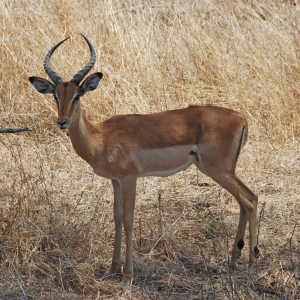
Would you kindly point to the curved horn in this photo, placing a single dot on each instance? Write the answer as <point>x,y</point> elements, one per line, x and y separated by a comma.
<point>82,73</point>
<point>54,77</point>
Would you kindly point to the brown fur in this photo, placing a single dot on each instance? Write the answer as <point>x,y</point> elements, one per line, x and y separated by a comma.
<point>192,125</point>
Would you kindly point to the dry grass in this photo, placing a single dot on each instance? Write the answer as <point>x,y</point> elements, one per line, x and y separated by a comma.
<point>56,215</point>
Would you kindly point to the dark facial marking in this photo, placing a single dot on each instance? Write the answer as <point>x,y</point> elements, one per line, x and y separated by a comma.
<point>56,100</point>
<point>241,244</point>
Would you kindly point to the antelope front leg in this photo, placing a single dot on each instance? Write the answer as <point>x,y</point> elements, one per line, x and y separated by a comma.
<point>128,188</point>
<point>118,216</point>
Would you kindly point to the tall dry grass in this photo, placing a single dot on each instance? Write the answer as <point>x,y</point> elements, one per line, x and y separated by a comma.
<point>56,215</point>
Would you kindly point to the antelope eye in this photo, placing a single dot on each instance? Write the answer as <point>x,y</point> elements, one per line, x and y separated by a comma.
<point>76,99</point>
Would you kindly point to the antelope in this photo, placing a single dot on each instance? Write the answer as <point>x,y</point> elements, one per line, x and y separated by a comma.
<point>126,147</point>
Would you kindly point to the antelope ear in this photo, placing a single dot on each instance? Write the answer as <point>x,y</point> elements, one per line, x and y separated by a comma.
<point>90,83</point>
<point>42,85</point>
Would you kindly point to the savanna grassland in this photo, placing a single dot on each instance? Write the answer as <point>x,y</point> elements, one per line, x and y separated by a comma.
<point>56,220</point>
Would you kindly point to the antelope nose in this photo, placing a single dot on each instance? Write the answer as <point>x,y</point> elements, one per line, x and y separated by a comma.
<point>62,124</point>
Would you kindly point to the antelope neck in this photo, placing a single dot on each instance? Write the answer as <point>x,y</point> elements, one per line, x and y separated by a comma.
<point>81,132</point>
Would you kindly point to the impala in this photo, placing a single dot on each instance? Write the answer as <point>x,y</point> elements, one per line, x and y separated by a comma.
<point>126,147</point>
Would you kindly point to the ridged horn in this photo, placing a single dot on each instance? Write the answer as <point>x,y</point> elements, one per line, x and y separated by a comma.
<point>54,77</point>
<point>82,73</point>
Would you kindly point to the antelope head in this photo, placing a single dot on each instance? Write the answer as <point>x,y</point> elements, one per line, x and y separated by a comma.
<point>67,94</point>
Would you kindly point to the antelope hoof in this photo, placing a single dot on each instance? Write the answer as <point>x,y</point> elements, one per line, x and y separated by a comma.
<point>113,269</point>
<point>109,272</point>
<point>233,265</point>
<point>127,280</point>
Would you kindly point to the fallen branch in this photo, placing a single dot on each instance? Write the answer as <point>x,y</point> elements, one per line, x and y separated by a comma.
<point>13,130</point>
